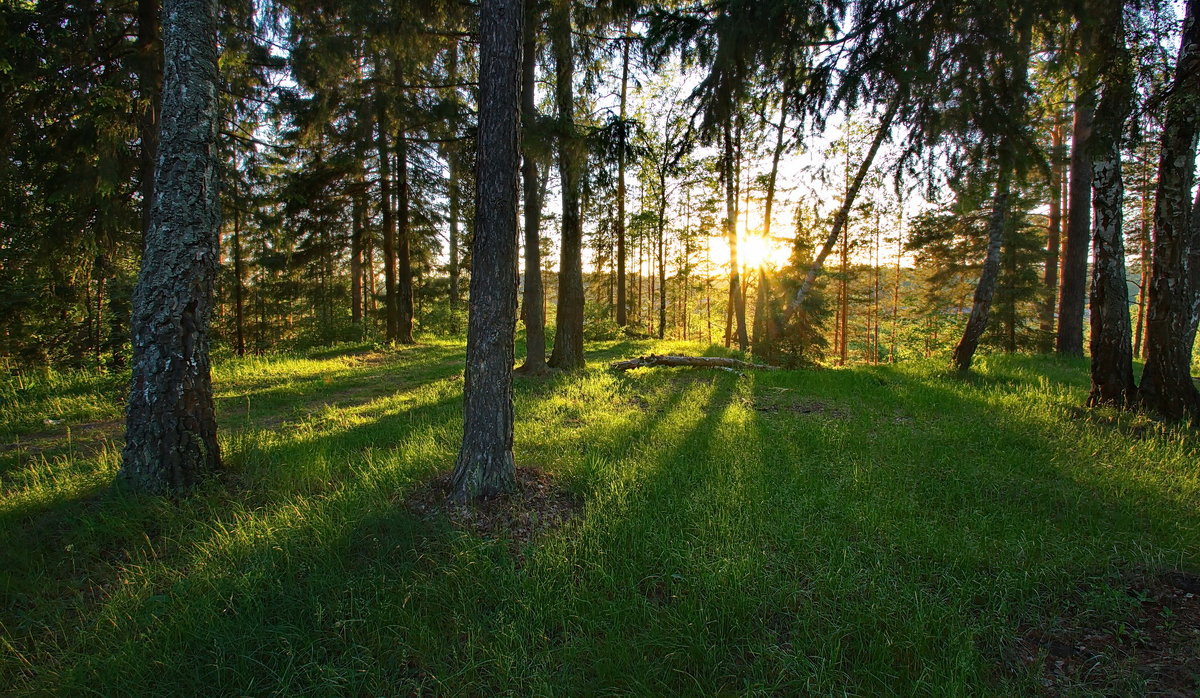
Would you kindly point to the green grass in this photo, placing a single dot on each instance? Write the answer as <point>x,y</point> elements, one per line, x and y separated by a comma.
<point>867,531</point>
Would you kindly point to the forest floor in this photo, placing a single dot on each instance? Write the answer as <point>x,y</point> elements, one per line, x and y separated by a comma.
<point>887,530</point>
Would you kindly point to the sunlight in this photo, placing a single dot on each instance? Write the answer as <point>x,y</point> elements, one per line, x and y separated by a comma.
<point>753,251</point>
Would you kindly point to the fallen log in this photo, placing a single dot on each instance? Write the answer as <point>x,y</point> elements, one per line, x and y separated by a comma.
<point>673,361</point>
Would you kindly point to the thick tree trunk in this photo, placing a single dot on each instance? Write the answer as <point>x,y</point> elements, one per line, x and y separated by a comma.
<point>485,465</point>
<point>1167,385</point>
<point>1054,234</point>
<point>977,323</point>
<point>568,337</point>
<point>170,426</point>
<point>534,300</point>
<point>1069,341</point>
<point>1111,342</point>
<point>404,272</point>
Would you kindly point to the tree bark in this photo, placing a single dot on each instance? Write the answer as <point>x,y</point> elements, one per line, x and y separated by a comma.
<point>1069,341</point>
<point>170,426</point>
<point>404,272</point>
<point>1054,233</point>
<point>534,300</point>
<point>1111,341</point>
<point>485,464</point>
<point>391,309</point>
<point>452,161</point>
<point>1167,385</point>
<point>150,84</point>
<point>984,292</point>
<point>568,337</point>
<point>622,303</point>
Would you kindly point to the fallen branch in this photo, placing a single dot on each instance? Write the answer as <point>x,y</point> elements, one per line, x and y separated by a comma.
<point>672,361</point>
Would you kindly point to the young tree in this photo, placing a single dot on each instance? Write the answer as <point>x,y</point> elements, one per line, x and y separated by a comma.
<point>170,428</point>
<point>485,462</point>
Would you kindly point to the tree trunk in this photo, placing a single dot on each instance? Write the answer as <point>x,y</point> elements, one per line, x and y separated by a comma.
<point>238,280</point>
<point>568,338</point>
<point>1054,233</point>
<point>534,301</point>
<point>738,307</point>
<point>485,465</point>
<point>170,427</point>
<point>622,309</point>
<point>150,82</point>
<point>662,254</point>
<point>1111,342</point>
<point>391,310</point>
<point>454,213</point>
<point>977,323</point>
<point>1167,385</point>
<point>404,272</point>
<point>1069,341</point>
<point>356,259</point>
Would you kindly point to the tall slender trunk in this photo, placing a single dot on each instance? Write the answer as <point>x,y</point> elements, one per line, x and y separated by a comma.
<point>170,427</point>
<point>454,212</point>
<point>662,255</point>
<point>1143,260</point>
<point>485,465</point>
<point>1069,341</point>
<point>737,300</point>
<point>896,286</point>
<point>150,82</point>
<point>238,280</point>
<point>568,338</point>
<point>534,300</point>
<point>391,310</point>
<point>404,271</point>
<point>1054,234</point>
<point>977,323</point>
<point>1167,385</point>
<point>356,255</point>
<point>622,309</point>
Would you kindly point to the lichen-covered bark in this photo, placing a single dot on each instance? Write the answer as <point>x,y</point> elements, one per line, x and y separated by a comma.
<point>485,461</point>
<point>986,290</point>
<point>568,335</point>
<point>1111,341</point>
<point>1167,385</point>
<point>170,428</point>
<point>535,319</point>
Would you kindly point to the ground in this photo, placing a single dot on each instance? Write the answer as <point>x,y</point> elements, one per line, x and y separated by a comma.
<point>865,531</point>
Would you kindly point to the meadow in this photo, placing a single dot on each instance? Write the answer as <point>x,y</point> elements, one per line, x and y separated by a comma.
<point>873,530</point>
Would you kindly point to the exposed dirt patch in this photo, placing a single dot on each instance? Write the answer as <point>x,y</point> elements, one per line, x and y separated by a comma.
<point>783,400</point>
<point>1155,647</point>
<point>539,505</point>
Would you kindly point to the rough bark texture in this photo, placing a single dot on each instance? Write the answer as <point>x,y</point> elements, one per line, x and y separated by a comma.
<point>986,290</point>
<point>534,294</point>
<point>676,361</point>
<point>568,335</point>
<point>1167,385</point>
<point>1069,341</point>
<point>170,427</point>
<point>485,462</point>
<point>1111,341</point>
<point>1054,233</point>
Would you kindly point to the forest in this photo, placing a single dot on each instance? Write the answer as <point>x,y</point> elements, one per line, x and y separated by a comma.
<point>574,347</point>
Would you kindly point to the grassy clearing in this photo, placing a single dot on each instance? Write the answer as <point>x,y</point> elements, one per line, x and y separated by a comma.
<point>866,531</point>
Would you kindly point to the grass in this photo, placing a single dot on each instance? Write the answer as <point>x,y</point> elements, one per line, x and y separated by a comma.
<point>868,531</point>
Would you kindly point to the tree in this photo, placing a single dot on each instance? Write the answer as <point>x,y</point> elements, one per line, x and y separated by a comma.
<point>1111,341</point>
<point>535,319</point>
<point>485,462</point>
<point>170,428</point>
<point>1167,385</point>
